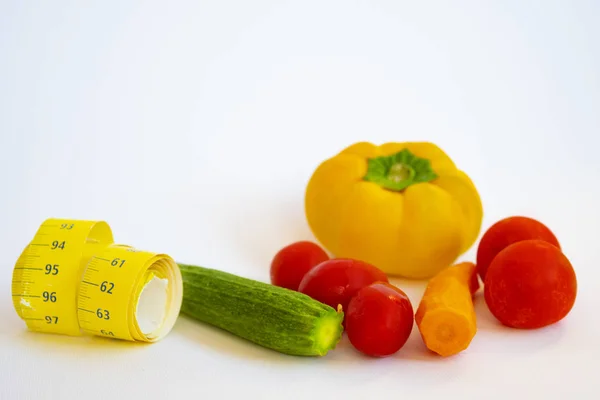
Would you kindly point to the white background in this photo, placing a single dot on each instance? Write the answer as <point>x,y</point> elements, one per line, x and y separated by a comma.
<point>193,128</point>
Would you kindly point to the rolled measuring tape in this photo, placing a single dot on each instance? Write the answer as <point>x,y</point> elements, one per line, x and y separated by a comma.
<point>72,279</point>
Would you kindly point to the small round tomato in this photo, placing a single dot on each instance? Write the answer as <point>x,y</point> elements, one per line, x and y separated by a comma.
<point>508,231</point>
<point>291,263</point>
<point>379,319</point>
<point>530,284</point>
<point>335,281</point>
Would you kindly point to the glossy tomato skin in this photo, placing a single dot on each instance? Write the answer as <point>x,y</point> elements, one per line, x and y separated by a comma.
<point>292,262</point>
<point>379,319</point>
<point>506,232</point>
<point>530,284</point>
<point>335,281</point>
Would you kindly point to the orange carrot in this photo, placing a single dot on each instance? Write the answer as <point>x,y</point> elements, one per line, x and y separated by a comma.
<point>446,316</point>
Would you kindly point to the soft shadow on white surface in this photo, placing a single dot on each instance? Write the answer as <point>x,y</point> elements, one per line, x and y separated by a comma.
<point>344,355</point>
<point>213,339</point>
<point>485,319</point>
<point>74,346</point>
<point>511,340</point>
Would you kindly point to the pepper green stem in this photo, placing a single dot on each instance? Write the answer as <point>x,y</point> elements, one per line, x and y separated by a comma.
<point>399,171</point>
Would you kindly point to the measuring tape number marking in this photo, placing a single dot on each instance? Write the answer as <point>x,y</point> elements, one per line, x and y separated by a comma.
<point>73,279</point>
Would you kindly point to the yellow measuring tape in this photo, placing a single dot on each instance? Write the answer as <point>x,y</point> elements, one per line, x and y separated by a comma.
<point>73,279</point>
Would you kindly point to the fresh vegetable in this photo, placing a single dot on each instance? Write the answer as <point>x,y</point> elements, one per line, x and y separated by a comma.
<point>379,319</point>
<point>508,231</point>
<point>336,281</point>
<point>404,207</point>
<point>446,316</point>
<point>291,263</point>
<point>530,284</point>
<point>271,316</point>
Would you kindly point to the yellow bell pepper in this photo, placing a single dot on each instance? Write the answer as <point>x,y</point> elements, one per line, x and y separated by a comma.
<point>403,207</point>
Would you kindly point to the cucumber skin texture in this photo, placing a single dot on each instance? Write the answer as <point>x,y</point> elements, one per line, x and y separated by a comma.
<point>270,316</point>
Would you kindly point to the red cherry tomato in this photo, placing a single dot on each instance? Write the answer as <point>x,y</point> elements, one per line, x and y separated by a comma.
<point>506,232</point>
<point>379,319</point>
<point>335,281</point>
<point>530,284</point>
<point>291,263</point>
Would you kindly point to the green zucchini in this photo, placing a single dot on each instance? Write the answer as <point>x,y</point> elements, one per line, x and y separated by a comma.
<point>271,316</point>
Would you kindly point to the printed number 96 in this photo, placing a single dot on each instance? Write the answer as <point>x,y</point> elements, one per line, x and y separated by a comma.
<point>51,297</point>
